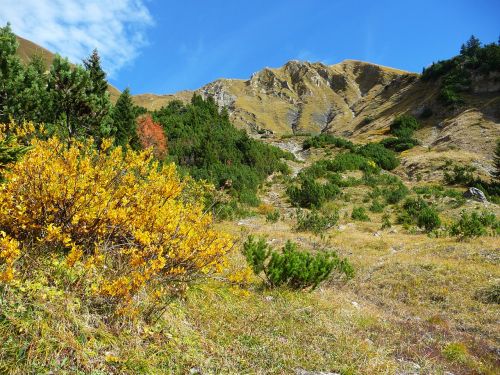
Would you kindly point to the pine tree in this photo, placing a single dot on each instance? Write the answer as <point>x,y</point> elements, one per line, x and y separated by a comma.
<point>124,120</point>
<point>33,96</point>
<point>97,75</point>
<point>98,124</point>
<point>470,47</point>
<point>70,103</point>
<point>11,73</point>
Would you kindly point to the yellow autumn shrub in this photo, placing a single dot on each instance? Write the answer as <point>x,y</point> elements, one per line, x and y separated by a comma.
<point>128,222</point>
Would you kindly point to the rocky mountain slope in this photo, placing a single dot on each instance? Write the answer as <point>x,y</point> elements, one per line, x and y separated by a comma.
<point>353,99</point>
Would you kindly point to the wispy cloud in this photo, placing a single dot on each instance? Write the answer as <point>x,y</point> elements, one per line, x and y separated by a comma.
<point>74,28</point>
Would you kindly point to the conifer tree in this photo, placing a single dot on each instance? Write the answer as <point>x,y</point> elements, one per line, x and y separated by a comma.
<point>11,73</point>
<point>97,75</point>
<point>99,123</point>
<point>124,120</point>
<point>33,96</point>
<point>70,103</point>
<point>470,47</point>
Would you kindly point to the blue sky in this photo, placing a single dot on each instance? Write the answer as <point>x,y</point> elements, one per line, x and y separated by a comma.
<point>167,46</point>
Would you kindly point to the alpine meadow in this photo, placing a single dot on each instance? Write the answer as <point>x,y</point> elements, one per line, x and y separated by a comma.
<point>311,219</point>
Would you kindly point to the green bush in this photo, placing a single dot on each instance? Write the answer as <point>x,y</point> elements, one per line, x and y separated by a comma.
<point>291,267</point>
<point>395,194</point>
<point>358,213</point>
<point>230,210</point>
<point>374,178</point>
<point>347,161</point>
<point>311,193</point>
<point>404,126</point>
<point>437,191</point>
<point>399,144</point>
<point>449,96</point>
<point>273,217</point>
<point>428,218</point>
<point>383,157</point>
<point>377,206</point>
<point>315,221</point>
<point>471,225</point>
<point>459,175</point>
<point>327,139</point>
<point>418,212</point>
<point>367,120</point>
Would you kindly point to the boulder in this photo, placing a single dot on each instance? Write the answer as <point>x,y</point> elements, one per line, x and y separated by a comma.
<point>476,194</point>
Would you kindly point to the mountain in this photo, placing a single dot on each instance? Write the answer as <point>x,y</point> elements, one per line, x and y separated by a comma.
<point>352,99</point>
<point>27,49</point>
<point>300,96</point>
<point>359,100</point>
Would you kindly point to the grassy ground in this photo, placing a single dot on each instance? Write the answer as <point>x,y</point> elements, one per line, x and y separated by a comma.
<point>412,308</point>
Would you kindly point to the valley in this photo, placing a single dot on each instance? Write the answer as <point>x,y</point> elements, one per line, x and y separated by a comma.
<point>312,219</point>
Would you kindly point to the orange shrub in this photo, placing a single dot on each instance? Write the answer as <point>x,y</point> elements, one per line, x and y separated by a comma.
<point>151,135</point>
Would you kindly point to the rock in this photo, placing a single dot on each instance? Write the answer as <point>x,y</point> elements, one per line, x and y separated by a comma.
<point>476,194</point>
<point>268,298</point>
<point>376,234</point>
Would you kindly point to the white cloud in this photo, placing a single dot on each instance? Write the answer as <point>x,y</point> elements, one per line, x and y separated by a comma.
<point>73,28</point>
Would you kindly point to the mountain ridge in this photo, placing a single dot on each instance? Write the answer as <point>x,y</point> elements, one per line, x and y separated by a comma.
<point>353,99</point>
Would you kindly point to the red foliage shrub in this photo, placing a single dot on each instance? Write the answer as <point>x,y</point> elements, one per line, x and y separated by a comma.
<point>151,134</point>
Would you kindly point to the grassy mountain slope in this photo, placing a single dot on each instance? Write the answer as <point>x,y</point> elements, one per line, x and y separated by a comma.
<point>358,100</point>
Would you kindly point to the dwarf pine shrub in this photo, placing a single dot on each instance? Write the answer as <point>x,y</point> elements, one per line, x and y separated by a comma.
<point>420,213</point>
<point>358,213</point>
<point>315,221</point>
<point>292,267</point>
<point>473,224</point>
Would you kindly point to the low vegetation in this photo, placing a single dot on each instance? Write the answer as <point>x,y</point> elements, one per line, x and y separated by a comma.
<point>315,220</point>
<point>291,267</point>
<point>475,224</point>
<point>418,212</point>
